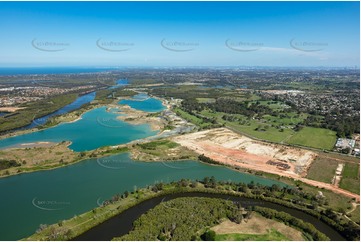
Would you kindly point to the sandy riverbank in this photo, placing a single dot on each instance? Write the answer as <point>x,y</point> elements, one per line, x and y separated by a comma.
<point>33,145</point>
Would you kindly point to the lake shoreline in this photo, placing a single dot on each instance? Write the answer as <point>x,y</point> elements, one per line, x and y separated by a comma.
<point>36,129</point>
<point>111,211</point>
<point>155,126</point>
<point>83,111</point>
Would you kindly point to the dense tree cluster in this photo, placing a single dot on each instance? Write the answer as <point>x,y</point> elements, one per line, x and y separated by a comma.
<point>34,110</point>
<point>206,159</point>
<point>228,105</point>
<point>5,164</point>
<point>183,219</point>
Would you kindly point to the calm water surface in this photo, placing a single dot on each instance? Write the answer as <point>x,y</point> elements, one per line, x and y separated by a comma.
<point>96,128</point>
<point>144,103</point>
<point>80,101</point>
<point>45,197</point>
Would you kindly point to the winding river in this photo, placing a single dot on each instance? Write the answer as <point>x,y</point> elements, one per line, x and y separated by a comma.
<point>81,100</point>
<point>123,223</point>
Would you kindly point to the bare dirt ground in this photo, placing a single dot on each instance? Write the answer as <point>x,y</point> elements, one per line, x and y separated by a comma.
<point>230,148</point>
<point>33,145</point>
<point>10,109</point>
<point>338,175</point>
<point>257,225</point>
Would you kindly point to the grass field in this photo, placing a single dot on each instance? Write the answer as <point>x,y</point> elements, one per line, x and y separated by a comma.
<point>351,171</point>
<point>291,119</point>
<point>161,150</point>
<point>38,158</point>
<point>271,134</point>
<point>351,178</point>
<point>314,137</point>
<point>156,144</point>
<point>206,100</point>
<point>322,169</point>
<point>249,126</point>
<point>272,235</point>
<point>270,128</point>
<point>191,118</point>
<point>355,215</point>
<point>335,201</point>
<point>256,228</point>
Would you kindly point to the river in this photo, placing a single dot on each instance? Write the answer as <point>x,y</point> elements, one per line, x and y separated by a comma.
<point>80,101</point>
<point>121,224</point>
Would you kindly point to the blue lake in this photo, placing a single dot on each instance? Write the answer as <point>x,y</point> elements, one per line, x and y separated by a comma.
<point>46,197</point>
<point>144,103</point>
<point>96,128</point>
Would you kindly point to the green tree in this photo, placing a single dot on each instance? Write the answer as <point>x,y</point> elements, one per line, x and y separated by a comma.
<point>209,235</point>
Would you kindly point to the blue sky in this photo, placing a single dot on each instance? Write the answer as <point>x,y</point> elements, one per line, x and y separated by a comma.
<point>179,34</point>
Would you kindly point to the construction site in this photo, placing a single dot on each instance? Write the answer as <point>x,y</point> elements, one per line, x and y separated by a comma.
<point>230,148</point>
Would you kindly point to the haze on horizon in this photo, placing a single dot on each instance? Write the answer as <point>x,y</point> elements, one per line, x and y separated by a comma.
<point>180,34</point>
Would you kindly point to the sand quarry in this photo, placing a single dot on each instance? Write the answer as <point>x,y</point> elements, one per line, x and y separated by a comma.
<point>231,148</point>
